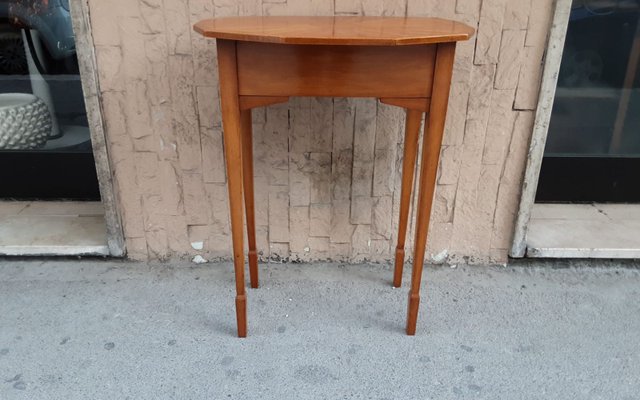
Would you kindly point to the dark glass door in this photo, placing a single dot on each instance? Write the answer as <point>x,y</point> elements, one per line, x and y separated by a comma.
<point>593,145</point>
<point>45,145</point>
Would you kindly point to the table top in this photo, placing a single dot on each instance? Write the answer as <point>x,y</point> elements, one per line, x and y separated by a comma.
<point>342,30</point>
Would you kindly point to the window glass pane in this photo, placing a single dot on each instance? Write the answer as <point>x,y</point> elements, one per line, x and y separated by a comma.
<point>597,103</point>
<point>41,102</point>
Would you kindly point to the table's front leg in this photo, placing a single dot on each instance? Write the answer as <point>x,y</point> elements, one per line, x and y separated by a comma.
<point>434,129</point>
<point>229,99</point>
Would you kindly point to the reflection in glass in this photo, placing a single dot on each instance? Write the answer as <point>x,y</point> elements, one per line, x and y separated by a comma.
<point>41,102</point>
<point>597,103</point>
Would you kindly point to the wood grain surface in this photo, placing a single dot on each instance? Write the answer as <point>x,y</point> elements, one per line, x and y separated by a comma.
<point>342,30</point>
<point>266,69</point>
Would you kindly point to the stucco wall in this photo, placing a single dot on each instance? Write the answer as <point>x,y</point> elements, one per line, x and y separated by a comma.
<point>327,170</point>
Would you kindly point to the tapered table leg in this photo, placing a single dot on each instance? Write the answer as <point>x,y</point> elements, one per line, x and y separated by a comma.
<point>247,174</point>
<point>412,130</point>
<point>233,153</point>
<point>434,128</point>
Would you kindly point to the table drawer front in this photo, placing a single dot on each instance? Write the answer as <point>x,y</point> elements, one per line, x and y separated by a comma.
<point>266,69</point>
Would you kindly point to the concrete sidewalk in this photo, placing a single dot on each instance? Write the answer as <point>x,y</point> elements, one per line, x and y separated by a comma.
<point>96,329</point>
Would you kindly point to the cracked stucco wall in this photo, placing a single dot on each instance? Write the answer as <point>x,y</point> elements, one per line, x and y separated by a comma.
<point>327,170</point>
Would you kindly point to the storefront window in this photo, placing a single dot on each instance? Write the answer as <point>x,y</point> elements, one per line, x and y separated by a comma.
<point>597,99</point>
<point>593,144</point>
<point>43,123</point>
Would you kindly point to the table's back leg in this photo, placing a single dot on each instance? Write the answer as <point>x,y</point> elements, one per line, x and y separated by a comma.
<point>412,130</point>
<point>233,153</point>
<point>247,174</point>
<point>434,128</point>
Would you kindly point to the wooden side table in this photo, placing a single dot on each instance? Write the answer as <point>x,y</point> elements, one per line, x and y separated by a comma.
<point>405,62</point>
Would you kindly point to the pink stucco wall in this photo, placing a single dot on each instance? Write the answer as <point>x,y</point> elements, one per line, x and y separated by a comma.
<point>327,170</point>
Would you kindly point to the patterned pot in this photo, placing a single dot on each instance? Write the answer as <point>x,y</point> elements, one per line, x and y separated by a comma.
<point>25,121</point>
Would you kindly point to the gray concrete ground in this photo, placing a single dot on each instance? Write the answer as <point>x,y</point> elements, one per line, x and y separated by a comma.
<point>96,329</point>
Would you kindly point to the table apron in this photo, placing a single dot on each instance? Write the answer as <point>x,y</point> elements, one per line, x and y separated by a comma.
<point>267,69</point>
